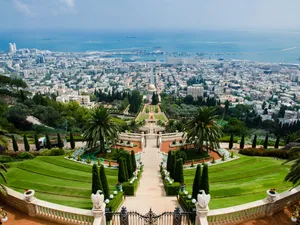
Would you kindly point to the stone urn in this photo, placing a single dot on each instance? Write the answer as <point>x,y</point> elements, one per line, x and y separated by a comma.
<point>272,194</point>
<point>29,195</point>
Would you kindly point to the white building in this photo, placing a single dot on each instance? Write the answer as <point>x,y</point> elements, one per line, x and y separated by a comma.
<point>195,91</point>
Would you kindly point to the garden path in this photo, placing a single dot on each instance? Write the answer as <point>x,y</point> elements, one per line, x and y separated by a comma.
<point>151,193</point>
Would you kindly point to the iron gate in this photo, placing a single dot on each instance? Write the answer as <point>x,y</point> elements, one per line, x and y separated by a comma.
<point>150,218</point>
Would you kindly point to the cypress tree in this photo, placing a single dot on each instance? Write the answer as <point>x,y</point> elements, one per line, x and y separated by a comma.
<point>96,182</point>
<point>254,141</point>
<point>197,181</point>
<point>26,144</point>
<point>231,141</point>
<point>179,171</point>
<point>36,142</point>
<point>277,142</point>
<point>266,142</point>
<point>72,142</point>
<point>122,174</point>
<point>59,142</point>
<point>15,145</point>
<point>287,140</point>
<point>129,166</point>
<point>133,160</point>
<point>48,143</point>
<point>204,184</point>
<point>104,182</point>
<point>173,166</point>
<point>169,161</point>
<point>242,144</point>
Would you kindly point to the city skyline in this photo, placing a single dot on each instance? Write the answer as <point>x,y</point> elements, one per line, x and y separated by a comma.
<point>134,14</point>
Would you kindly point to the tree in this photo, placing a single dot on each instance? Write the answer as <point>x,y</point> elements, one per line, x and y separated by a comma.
<point>242,143</point>
<point>59,141</point>
<point>197,182</point>
<point>265,111</point>
<point>155,99</point>
<point>26,144</point>
<point>254,141</point>
<point>96,182</point>
<point>104,182</point>
<point>203,128</point>
<point>189,100</point>
<point>169,161</point>
<point>135,100</point>
<point>48,143</point>
<point>72,142</point>
<point>266,142</point>
<point>226,107</point>
<point>2,188</point>
<point>129,165</point>
<point>263,105</point>
<point>15,145</point>
<point>231,141</point>
<point>36,142</point>
<point>122,171</point>
<point>293,175</point>
<point>173,167</point>
<point>101,127</point>
<point>277,142</point>
<point>204,184</point>
<point>287,140</point>
<point>179,171</point>
<point>133,160</point>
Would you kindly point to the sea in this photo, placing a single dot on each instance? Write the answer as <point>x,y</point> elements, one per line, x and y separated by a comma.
<point>260,46</point>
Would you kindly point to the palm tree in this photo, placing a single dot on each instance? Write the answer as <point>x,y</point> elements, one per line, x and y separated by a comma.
<point>203,128</point>
<point>294,174</point>
<point>2,188</point>
<point>101,127</point>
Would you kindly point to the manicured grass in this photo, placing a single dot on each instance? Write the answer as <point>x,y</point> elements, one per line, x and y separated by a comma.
<point>56,180</point>
<point>143,116</point>
<point>242,180</point>
<point>159,116</point>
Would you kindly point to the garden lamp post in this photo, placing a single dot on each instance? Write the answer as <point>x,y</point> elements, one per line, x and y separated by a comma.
<point>3,215</point>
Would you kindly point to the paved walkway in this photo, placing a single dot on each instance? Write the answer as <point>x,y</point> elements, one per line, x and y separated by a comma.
<point>151,193</point>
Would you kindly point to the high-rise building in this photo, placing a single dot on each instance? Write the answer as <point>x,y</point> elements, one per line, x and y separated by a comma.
<point>12,48</point>
<point>195,91</point>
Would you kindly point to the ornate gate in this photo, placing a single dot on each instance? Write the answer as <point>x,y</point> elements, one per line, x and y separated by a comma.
<point>150,218</point>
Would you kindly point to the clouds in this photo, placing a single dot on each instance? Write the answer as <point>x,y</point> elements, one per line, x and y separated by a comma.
<point>69,3</point>
<point>22,7</point>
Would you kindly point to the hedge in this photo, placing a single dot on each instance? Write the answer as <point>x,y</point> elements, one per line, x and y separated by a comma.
<point>25,155</point>
<point>5,158</point>
<point>76,138</point>
<point>186,203</point>
<point>171,189</point>
<point>114,203</point>
<point>130,189</point>
<point>282,154</point>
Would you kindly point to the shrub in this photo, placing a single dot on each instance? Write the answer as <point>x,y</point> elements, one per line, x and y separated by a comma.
<point>181,155</point>
<point>99,162</point>
<point>122,175</point>
<point>5,158</point>
<point>114,203</point>
<point>266,142</point>
<point>133,161</point>
<point>254,141</point>
<point>128,142</point>
<point>48,143</point>
<point>26,144</point>
<point>242,143</point>
<point>70,155</point>
<point>186,203</point>
<point>197,181</point>
<point>174,142</point>
<point>223,157</point>
<point>121,141</point>
<point>130,189</point>
<point>179,171</point>
<point>180,141</point>
<point>36,142</point>
<point>171,189</point>
<point>109,163</point>
<point>231,142</point>
<point>104,182</point>
<point>169,161</point>
<point>282,154</point>
<point>213,160</point>
<point>59,141</point>
<point>88,160</point>
<point>277,142</point>
<point>192,164</point>
<point>231,155</point>
<point>204,184</point>
<point>72,142</point>
<point>24,155</point>
<point>78,158</point>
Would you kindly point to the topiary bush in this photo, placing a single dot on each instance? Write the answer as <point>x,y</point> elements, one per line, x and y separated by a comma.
<point>114,203</point>
<point>5,158</point>
<point>24,155</point>
<point>282,154</point>
<point>171,189</point>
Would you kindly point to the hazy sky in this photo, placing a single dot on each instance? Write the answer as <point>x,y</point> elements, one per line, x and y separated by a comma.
<point>151,14</point>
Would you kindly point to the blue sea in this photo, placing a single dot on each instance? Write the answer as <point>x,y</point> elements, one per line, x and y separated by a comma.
<point>260,46</point>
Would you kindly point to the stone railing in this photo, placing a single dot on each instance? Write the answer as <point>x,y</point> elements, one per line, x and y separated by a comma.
<point>53,212</point>
<point>253,210</point>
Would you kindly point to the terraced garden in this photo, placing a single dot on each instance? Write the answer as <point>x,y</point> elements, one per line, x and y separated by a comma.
<point>242,180</point>
<point>56,180</point>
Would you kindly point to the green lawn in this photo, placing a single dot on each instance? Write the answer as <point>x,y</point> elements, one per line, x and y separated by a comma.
<point>159,116</point>
<point>242,180</point>
<point>143,116</point>
<point>56,180</point>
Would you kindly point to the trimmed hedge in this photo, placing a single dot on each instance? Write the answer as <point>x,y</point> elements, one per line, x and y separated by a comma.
<point>25,155</point>
<point>52,152</point>
<point>114,203</point>
<point>171,189</point>
<point>5,158</point>
<point>282,154</point>
<point>130,189</point>
<point>185,202</point>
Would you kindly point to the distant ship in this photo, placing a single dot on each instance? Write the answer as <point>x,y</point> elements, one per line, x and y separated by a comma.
<point>131,37</point>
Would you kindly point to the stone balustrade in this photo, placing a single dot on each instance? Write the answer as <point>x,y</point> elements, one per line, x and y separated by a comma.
<point>253,210</point>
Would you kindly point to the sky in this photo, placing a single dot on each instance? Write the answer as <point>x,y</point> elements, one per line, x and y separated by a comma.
<point>150,14</point>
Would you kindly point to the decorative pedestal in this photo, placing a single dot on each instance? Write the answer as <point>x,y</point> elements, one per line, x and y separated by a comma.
<point>271,196</point>
<point>29,195</point>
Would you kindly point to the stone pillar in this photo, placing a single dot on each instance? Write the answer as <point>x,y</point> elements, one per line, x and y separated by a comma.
<point>201,215</point>
<point>29,199</point>
<point>271,199</point>
<point>99,216</point>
